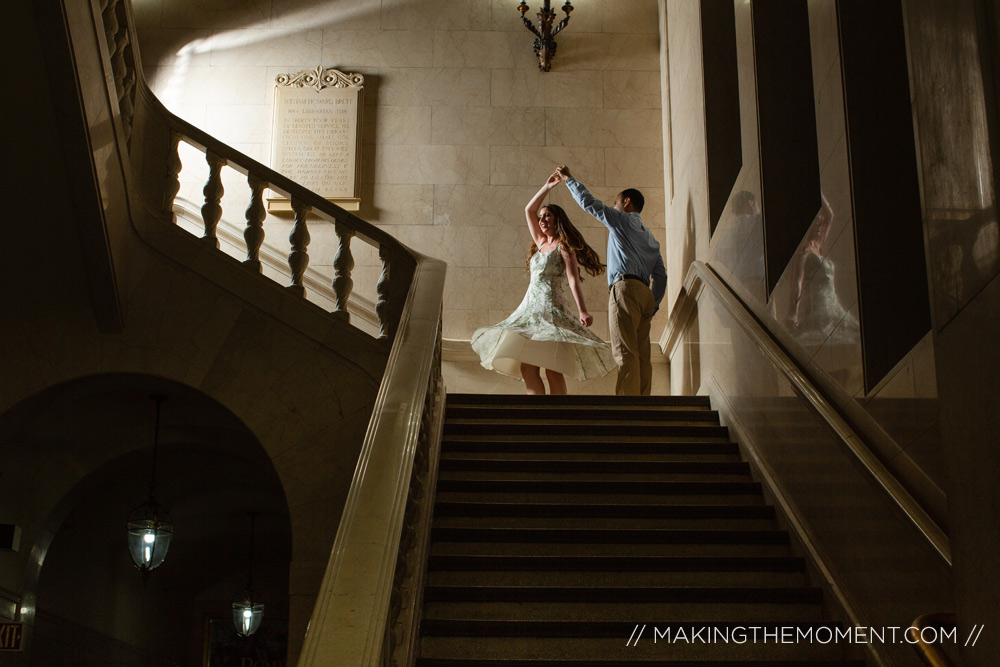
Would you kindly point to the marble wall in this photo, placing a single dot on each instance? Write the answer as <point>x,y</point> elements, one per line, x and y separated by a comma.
<point>460,127</point>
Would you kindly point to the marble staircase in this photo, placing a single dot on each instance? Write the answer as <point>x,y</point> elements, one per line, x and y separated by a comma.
<point>572,530</point>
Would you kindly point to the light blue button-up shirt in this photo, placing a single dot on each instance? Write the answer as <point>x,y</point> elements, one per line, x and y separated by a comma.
<point>632,249</point>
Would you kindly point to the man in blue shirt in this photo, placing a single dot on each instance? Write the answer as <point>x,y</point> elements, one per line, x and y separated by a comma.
<point>637,280</point>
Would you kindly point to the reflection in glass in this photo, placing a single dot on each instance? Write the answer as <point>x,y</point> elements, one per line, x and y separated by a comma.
<point>816,314</point>
<point>749,230</point>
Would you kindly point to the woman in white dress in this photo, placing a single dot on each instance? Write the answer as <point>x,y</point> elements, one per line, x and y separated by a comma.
<point>543,332</point>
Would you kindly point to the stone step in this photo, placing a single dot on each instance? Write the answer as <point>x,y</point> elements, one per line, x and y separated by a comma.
<point>556,522</point>
<point>596,485</point>
<point>614,563</point>
<point>590,499</point>
<point>609,594</point>
<point>657,662</point>
<point>649,578</point>
<point>543,476</point>
<point>463,627</point>
<point>536,414</point>
<point>451,464</point>
<point>598,430</point>
<point>621,449</point>
<point>665,402</point>
<point>592,509</point>
<point>746,613</point>
<point>690,551</point>
<point>601,651</point>
<point>617,535</point>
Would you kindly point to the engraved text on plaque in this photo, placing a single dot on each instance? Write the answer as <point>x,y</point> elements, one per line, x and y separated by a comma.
<point>317,133</point>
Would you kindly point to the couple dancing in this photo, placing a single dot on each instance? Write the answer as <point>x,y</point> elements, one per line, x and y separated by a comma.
<point>544,334</point>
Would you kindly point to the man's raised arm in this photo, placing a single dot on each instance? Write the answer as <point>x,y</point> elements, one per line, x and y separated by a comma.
<point>581,195</point>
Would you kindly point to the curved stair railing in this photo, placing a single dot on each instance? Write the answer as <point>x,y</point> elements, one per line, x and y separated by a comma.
<point>368,605</point>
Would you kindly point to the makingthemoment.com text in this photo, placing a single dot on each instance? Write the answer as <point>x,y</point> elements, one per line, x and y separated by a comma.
<point>707,634</point>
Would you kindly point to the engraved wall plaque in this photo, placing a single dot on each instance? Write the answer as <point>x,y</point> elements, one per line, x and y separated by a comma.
<point>316,137</point>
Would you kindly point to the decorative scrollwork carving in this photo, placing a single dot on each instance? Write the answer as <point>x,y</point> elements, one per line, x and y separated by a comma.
<point>320,78</point>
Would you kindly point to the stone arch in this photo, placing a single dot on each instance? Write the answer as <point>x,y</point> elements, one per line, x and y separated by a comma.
<point>84,446</point>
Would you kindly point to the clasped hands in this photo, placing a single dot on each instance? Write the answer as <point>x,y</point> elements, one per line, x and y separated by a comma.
<point>560,174</point>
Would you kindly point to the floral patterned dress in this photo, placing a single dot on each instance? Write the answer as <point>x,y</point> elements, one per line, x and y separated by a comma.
<point>544,331</point>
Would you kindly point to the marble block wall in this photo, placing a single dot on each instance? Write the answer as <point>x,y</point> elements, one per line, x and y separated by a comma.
<point>460,127</point>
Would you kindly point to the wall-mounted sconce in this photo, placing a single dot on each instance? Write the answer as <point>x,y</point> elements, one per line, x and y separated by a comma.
<point>149,526</point>
<point>545,45</point>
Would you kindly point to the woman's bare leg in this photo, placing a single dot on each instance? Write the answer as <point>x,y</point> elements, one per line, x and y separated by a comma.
<point>532,379</point>
<point>557,383</point>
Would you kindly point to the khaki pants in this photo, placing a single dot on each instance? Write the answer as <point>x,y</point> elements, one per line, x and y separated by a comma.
<point>630,313</point>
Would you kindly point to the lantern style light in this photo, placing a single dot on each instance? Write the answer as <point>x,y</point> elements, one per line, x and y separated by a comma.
<point>247,614</point>
<point>149,527</point>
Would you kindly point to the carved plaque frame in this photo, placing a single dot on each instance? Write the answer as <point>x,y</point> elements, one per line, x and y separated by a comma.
<point>316,134</point>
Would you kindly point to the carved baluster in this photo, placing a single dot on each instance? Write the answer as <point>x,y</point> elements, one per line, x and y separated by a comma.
<point>211,212</point>
<point>119,67</point>
<point>382,288</point>
<point>254,233</point>
<point>110,16</point>
<point>126,105</point>
<point>174,166</point>
<point>298,258</point>
<point>343,264</point>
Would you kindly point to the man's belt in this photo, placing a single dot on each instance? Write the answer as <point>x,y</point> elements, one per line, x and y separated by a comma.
<point>629,276</point>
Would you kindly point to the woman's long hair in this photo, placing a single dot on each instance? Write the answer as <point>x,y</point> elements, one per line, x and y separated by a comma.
<point>570,237</point>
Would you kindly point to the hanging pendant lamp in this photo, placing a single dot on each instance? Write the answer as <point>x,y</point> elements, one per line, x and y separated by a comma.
<point>149,527</point>
<point>247,614</point>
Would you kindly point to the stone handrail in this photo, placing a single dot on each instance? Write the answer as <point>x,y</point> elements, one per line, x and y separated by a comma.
<point>367,609</point>
<point>932,654</point>
<point>368,605</point>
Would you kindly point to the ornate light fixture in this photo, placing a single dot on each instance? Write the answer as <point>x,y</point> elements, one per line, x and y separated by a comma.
<point>247,614</point>
<point>149,526</point>
<point>545,45</point>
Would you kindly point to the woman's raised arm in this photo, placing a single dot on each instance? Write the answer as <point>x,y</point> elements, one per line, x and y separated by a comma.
<point>531,210</point>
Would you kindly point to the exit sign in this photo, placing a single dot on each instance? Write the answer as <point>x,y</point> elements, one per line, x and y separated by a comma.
<point>10,636</point>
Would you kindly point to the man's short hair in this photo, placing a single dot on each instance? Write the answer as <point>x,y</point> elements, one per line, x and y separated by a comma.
<point>638,201</point>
